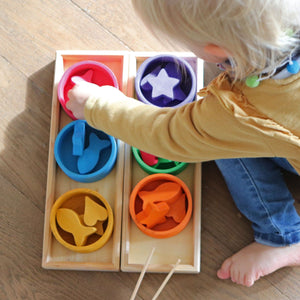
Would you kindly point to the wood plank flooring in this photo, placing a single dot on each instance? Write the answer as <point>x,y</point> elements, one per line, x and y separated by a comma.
<point>30,33</point>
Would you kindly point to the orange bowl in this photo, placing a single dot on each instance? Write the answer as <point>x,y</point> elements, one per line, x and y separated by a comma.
<point>169,227</point>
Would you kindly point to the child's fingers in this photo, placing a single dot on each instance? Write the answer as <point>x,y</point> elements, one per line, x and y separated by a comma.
<point>77,79</point>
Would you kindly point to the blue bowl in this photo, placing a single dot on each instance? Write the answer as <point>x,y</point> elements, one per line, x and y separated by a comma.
<point>63,152</point>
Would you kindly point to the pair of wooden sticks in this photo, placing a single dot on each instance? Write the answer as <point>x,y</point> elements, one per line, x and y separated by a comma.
<point>143,273</point>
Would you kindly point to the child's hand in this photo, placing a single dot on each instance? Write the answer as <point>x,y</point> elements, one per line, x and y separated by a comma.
<point>78,95</point>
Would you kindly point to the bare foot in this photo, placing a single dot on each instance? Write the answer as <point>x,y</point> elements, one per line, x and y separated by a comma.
<point>257,260</point>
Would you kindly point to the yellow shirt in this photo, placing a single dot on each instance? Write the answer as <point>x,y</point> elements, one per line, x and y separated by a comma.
<point>230,121</point>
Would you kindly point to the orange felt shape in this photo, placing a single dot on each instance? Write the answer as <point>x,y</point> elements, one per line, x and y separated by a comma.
<point>153,214</point>
<point>167,192</point>
<point>177,209</point>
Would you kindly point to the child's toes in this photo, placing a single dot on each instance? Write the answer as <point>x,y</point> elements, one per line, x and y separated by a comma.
<point>248,281</point>
<point>224,271</point>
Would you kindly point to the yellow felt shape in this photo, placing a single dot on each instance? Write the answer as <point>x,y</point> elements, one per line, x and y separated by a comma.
<point>69,221</point>
<point>93,212</point>
<point>99,226</point>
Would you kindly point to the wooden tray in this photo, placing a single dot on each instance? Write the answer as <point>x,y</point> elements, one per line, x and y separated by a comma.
<point>55,256</point>
<point>136,246</point>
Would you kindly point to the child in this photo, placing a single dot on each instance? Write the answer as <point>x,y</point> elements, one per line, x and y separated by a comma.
<point>248,119</point>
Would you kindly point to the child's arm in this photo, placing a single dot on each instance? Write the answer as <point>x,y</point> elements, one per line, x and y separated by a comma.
<point>199,131</point>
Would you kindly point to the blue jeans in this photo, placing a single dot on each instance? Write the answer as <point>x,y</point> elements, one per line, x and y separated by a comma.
<point>260,193</point>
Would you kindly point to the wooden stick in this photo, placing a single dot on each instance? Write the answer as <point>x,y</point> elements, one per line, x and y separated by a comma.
<point>142,275</point>
<point>166,280</point>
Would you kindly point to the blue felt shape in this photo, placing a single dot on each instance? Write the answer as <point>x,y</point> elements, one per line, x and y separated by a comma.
<point>78,137</point>
<point>89,159</point>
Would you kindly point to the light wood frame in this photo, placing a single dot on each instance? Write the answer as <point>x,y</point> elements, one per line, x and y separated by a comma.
<point>135,244</point>
<point>116,188</point>
<point>55,256</point>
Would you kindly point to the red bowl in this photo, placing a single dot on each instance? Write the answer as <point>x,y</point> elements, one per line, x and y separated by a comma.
<point>101,76</point>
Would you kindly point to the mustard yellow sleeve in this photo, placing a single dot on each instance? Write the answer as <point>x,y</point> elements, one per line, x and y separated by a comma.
<point>199,131</point>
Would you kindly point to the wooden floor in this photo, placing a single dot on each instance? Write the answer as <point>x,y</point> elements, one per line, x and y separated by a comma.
<point>30,33</point>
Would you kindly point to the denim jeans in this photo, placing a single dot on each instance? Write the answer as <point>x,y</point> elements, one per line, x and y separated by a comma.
<point>262,196</point>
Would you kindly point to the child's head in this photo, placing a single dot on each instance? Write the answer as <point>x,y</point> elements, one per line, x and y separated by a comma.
<point>254,33</point>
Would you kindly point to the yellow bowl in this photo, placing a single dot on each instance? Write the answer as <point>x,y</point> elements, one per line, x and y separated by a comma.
<point>75,200</point>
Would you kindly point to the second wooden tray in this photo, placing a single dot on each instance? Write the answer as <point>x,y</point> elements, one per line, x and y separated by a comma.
<point>136,246</point>
<point>56,256</point>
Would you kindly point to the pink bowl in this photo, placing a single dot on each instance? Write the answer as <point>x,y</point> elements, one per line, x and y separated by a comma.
<point>101,75</point>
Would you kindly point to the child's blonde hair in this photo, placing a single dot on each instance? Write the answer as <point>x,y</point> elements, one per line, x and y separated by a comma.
<point>257,34</point>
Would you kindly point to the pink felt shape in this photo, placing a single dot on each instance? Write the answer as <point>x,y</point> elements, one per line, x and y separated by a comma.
<point>87,76</point>
<point>149,159</point>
